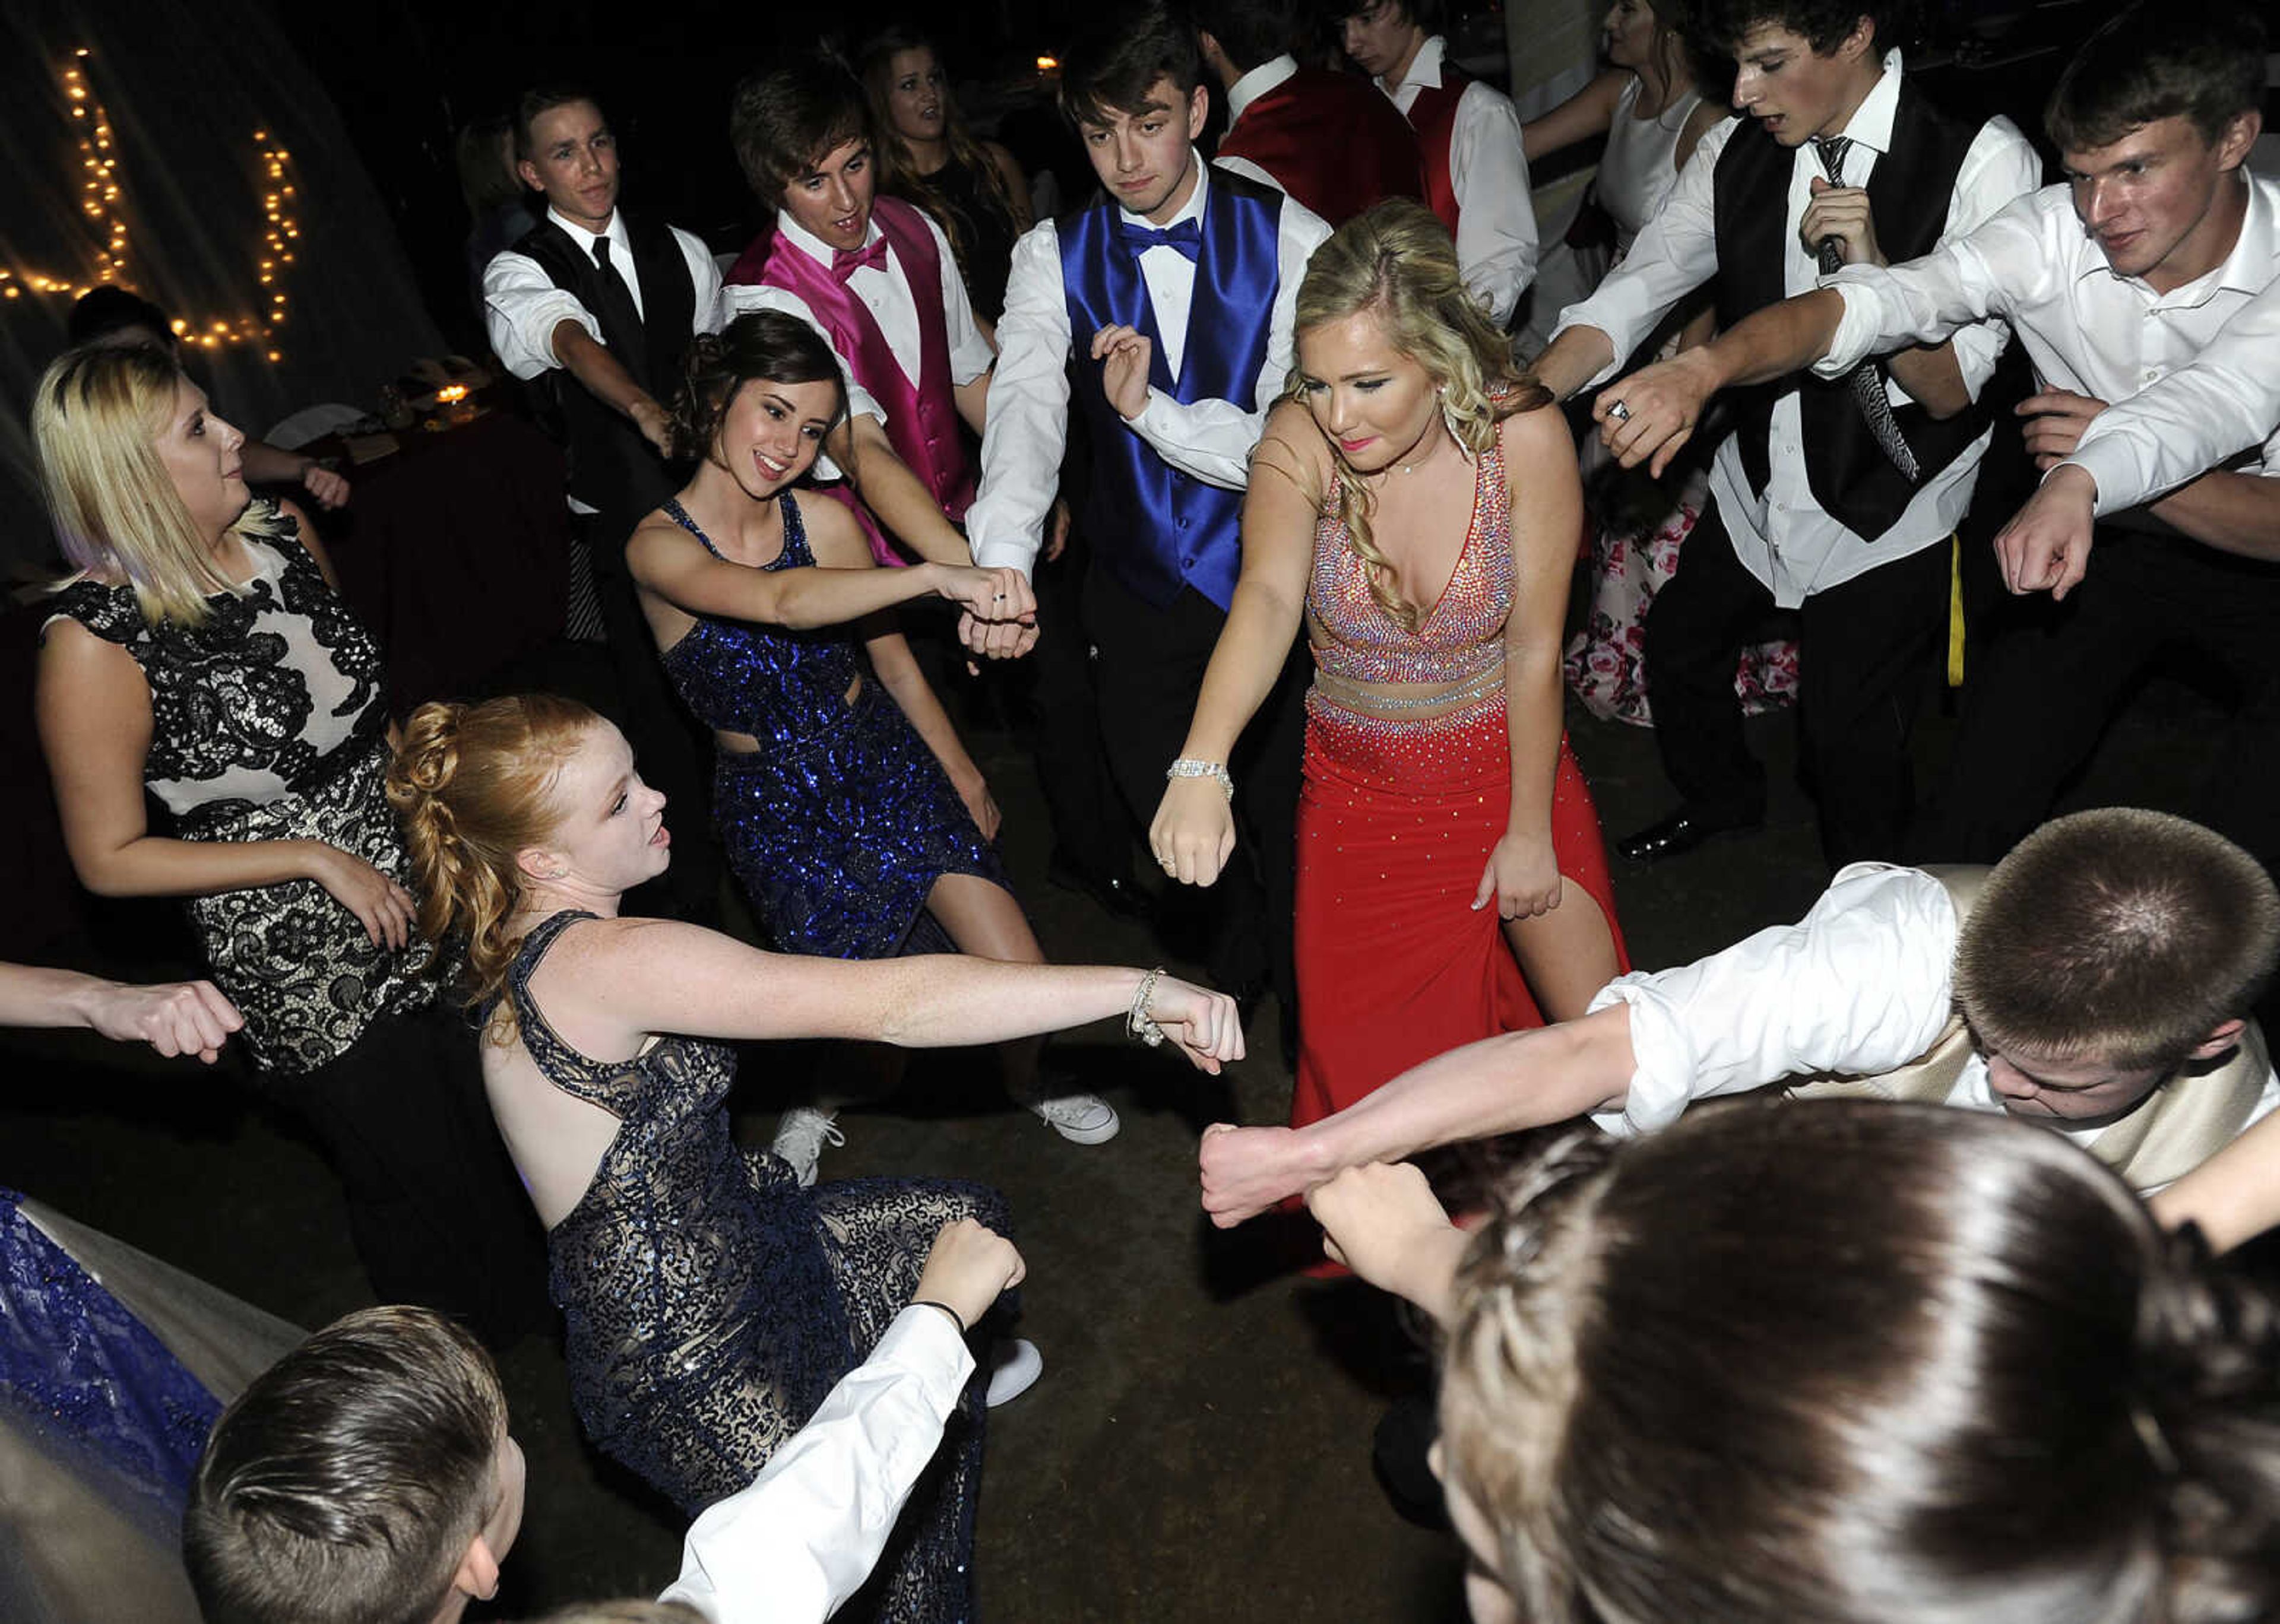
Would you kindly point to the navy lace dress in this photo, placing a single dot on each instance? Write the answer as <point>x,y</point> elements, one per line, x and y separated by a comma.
<point>710,1303</point>
<point>841,822</point>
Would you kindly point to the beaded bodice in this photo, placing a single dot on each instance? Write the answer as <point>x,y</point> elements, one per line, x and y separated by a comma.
<point>784,688</point>
<point>1460,640</point>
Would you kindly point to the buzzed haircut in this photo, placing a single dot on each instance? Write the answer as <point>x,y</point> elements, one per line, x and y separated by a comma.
<point>1116,62</point>
<point>542,99</point>
<point>1825,23</point>
<point>346,1483</point>
<point>2121,936</point>
<point>2179,59</point>
<point>782,122</point>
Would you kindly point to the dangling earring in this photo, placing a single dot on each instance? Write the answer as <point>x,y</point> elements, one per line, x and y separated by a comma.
<point>1449,420</point>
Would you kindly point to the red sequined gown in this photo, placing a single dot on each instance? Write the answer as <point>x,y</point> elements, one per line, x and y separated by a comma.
<point>1398,818</point>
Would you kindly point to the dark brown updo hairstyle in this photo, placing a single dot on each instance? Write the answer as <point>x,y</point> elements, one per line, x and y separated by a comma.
<point>1860,1363</point>
<point>474,786</point>
<point>761,345</point>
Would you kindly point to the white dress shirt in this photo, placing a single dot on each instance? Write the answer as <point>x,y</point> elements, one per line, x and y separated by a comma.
<point>1488,171</point>
<point>522,307</point>
<point>1863,985</point>
<point>887,294</point>
<point>1787,541</point>
<point>1240,94</point>
<point>2222,407</point>
<point>1210,440</point>
<point>803,1537</point>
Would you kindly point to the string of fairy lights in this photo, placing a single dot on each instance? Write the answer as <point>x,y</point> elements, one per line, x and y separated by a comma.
<point>101,201</point>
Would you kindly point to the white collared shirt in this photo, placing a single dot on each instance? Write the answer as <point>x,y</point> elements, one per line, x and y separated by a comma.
<point>1210,440</point>
<point>887,294</point>
<point>1488,171</point>
<point>522,307</point>
<point>2222,407</point>
<point>1240,94</point>
<point>803,1537</point>
<point>1787,540</point>
<point>2085,328</point>
<point>1862,985</point>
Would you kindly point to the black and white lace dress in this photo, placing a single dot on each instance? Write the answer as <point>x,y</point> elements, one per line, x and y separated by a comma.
<point>269,722</point>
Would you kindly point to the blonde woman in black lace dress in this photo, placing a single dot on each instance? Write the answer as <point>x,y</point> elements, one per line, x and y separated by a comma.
<point>201,655</point>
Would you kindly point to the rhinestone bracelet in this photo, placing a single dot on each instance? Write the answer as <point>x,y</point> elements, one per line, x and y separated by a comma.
<point>1216,771</point>
<point>1139,1023</point>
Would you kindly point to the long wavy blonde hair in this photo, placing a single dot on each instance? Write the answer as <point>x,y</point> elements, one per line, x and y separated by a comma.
<point>97,419</point>
<point>474,786</point>
<point>1395,260</point>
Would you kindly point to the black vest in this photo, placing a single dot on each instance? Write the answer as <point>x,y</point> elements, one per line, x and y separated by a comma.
<point>612,469</point>
<point>1851,477</point>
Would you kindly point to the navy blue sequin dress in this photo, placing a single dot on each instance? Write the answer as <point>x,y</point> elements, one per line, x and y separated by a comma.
<point>841,822</point>
<point>710,1303</point>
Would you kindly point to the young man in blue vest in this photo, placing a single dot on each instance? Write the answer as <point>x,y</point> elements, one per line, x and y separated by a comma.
<point>1815,506</point>
<point>1173,292</point>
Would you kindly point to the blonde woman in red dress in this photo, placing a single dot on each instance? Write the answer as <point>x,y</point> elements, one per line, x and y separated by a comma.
<point>1415,504</point>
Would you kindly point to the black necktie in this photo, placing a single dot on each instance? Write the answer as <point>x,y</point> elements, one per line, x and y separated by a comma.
<point>1866,381</point>
<point>622,322</point>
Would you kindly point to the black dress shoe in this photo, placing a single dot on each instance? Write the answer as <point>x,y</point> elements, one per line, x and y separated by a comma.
<point>1681,832</point>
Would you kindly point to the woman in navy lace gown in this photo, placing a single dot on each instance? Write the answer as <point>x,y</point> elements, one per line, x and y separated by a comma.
<point>201,656</point>
<point>855,819</point>
<point>711,1301</point>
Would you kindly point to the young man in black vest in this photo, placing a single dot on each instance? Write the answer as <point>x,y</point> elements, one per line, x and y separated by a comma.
<point>2159,238</point>
<point>1839,159</point>
<point>598,312</point>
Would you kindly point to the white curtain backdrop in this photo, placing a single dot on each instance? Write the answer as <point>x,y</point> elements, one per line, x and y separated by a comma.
<point>199,101</point>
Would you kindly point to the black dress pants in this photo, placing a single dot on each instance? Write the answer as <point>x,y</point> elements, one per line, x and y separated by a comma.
<point>1092,835</point>
<point>1148,672</point>
<point>1867,651</point>
<point>2055,673</point>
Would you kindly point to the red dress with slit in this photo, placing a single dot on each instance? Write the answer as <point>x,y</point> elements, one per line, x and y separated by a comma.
<point>1399,818</point>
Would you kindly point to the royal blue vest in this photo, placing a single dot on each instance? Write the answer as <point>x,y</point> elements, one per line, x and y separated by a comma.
<point>1152,527</point>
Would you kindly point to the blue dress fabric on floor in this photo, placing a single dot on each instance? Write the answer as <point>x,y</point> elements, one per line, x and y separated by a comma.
<point>710,1302</point>
<point>838,825</point>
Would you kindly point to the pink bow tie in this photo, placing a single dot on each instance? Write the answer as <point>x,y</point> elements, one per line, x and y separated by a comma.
<point>846,261</point>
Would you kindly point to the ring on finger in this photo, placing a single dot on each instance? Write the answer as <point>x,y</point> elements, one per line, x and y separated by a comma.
<point>1618,413</point>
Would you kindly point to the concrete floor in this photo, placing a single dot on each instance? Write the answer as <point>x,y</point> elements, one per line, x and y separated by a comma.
<point>1200,1446</point>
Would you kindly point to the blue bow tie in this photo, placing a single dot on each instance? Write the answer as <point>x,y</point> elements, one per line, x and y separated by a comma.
<point>1186,238</point>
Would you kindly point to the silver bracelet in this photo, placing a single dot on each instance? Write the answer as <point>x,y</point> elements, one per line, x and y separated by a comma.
<point>1216,771</point>
<point>1139,1023</point>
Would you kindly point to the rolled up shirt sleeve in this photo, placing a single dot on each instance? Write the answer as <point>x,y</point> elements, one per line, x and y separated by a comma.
<point>1862,984</point>
<point>795,1545</point>
<point>1929,300</point>
<point>521,309</point>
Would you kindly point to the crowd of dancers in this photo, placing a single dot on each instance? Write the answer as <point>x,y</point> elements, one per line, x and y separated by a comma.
<point>1244,454</point>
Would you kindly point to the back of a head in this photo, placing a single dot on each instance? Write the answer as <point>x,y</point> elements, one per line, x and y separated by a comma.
<point>346,1483</point>
<point>782,120</point>
<point>629,1609</point>
<point>485,151</point>
<point>1823,24</point>
<point>1249,31</point>
<point>1119,54</point>
<point>2120,935</point>
<point>473,787</point>
<point>110,311</point>
<point>1860,1363</point>
<point>2198,60</point>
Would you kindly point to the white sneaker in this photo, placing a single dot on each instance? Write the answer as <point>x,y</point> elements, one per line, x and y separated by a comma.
<point>801,1136</point>
<point>1014,1366</point>
<point>1081,1119</point>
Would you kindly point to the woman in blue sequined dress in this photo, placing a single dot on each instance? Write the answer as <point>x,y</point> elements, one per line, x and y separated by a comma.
<point>710,1302</point>
<point>854,818</point>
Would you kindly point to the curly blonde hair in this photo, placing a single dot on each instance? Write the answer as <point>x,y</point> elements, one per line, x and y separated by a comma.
<point>474,786</point>
<point>1395,260</point>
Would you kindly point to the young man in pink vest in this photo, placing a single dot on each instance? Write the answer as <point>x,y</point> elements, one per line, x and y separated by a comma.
<point>1475,174</point>
<point>1327,139</point>
<point>876,277</point>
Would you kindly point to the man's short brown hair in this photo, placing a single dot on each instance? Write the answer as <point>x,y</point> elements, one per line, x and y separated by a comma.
<point>2120,935</point>
<point>784,121</point>
<point>345,1484</point>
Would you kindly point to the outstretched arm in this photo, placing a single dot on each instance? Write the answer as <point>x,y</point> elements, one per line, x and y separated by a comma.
<point>1496,1086</point>
<point>862,451</point>
<point>1193,832</point>
<point>2235,1195</point>
<point>588,359</point>
<point>1589,112</point>
<point>1661,404</point>
<point>176,1018</point>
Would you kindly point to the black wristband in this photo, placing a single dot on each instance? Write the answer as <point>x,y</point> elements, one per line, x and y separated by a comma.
<point>928,1302</point>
